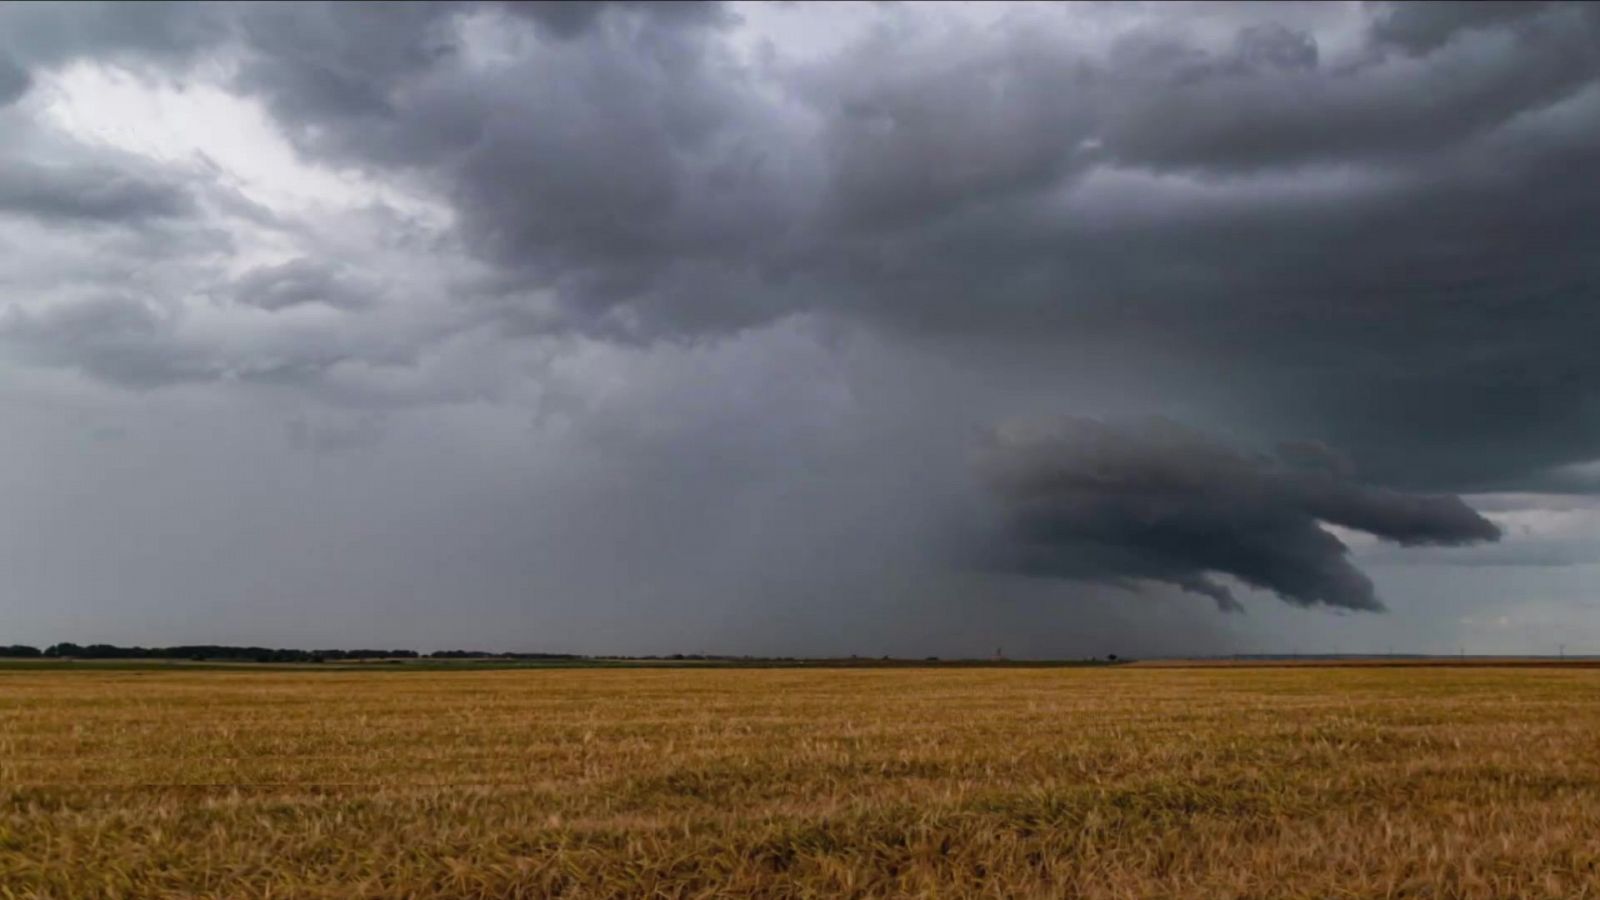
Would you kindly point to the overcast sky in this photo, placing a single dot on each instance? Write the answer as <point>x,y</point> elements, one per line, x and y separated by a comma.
<point>800,328</point>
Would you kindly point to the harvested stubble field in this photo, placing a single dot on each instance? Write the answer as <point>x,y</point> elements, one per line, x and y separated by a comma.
<point>1200,782</point>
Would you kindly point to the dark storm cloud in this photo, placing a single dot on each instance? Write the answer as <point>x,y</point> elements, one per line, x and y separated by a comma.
<point>1154,501</point>
<point>88,194</point>
<point>621,157</point>
<point>1389,246</point>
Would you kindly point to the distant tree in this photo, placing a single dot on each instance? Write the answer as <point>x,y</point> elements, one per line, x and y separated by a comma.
<point>19,650</point>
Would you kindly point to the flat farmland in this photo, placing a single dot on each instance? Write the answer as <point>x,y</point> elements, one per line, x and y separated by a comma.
<point>999,782</point>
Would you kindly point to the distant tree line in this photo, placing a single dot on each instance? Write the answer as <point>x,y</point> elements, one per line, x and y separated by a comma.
<point>223,653</point>
<point>482,654</point>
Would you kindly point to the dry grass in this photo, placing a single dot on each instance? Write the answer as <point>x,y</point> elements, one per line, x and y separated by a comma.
<point>1205,782</point>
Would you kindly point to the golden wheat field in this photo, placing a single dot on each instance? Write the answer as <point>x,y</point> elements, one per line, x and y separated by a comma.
<point>1094,782</point>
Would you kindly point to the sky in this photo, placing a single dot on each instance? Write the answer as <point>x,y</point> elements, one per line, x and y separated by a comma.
<point>1050,329</point>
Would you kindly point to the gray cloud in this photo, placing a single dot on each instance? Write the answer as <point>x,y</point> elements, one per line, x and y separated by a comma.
<point>570,18</point>
<point>46,34</point>
<point>1154,501</point>
<point>298,282</point>
<point>121,339</point>
<point>88,193</point>
<point>1425,27</point>
<point>340,61</point>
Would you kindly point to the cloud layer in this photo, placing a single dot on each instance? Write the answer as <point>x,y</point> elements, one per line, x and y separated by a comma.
<point>732,289</point>
<point>1341,202</point>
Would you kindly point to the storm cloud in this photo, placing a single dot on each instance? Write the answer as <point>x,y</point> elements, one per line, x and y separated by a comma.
<point>1154,501</point>
<point>1398,179</point>
<point>732,289</point>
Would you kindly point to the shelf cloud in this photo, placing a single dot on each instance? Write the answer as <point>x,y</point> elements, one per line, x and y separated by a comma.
<point>1155,501</point>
